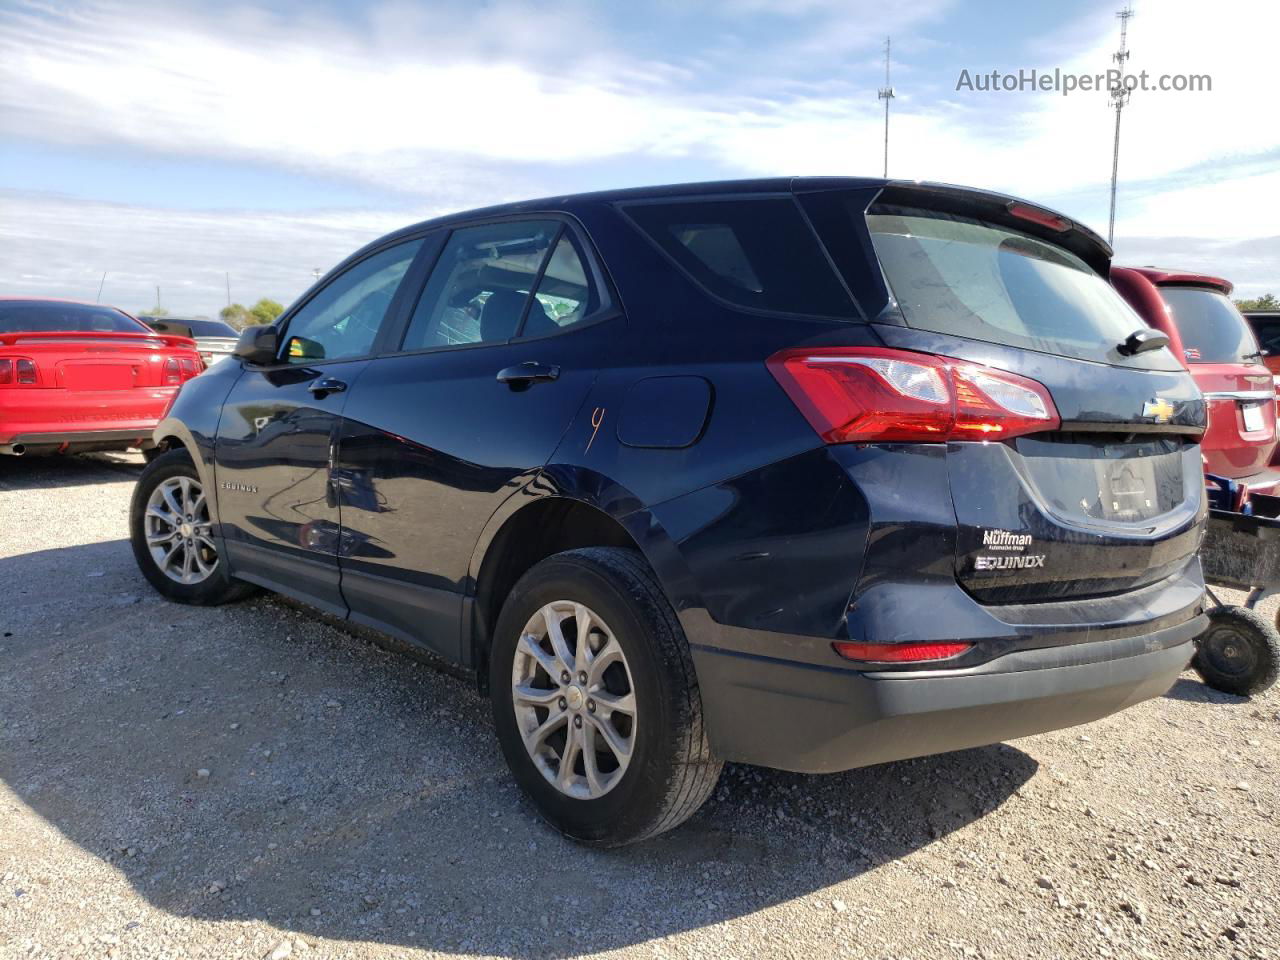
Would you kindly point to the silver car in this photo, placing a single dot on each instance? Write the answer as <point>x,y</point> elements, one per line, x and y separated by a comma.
<point>214,339</point>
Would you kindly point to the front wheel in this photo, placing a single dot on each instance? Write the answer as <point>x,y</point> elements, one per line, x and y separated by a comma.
<point>1239,653</point>
<point>595,701</point>
<point>172,535</point>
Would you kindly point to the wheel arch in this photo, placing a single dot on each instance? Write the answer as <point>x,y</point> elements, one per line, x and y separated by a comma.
<point>556,512</point>
<point>174,434</point>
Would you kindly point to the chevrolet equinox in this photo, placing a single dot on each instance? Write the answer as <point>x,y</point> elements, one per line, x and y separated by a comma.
<point>807,473</point>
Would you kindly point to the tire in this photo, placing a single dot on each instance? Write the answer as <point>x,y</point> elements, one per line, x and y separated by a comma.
<point>669,770</point>
<point>205,588</point>
<point>1239,653</point>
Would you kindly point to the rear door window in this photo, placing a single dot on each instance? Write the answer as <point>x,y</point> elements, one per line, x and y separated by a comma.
<point>566,293</point>
<point>986,282</point>
<point>480,287</point>
<point>754,252</point>
<point>1211,328</point>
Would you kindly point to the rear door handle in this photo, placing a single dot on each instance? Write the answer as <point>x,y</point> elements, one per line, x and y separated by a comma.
<point>325,386</point>
<point>529,372</point>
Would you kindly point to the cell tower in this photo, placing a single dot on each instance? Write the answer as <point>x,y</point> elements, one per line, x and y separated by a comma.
<point>1119,97</point>
<point>886,94</point>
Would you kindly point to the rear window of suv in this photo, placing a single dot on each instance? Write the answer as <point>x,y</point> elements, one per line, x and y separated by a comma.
<point>754,252</point>
<point>1211,328</point>
<point>985,282</point>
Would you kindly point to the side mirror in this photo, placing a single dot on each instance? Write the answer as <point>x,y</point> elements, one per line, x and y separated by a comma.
<point>258,344</point>
<point>300,348</point>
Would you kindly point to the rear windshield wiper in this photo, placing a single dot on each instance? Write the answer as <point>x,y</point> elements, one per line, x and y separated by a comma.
<point>1140,341</point>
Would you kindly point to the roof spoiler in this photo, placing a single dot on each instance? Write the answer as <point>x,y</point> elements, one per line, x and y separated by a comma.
<point>1004,210</point>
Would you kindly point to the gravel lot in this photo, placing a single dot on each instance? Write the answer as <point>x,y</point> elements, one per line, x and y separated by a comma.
<point>249,781</point>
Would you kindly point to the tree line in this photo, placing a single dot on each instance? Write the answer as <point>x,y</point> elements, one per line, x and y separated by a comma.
<point>238,315</point>
<point>1268,301</point>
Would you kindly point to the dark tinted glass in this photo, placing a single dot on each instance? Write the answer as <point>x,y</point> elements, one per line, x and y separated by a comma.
<point>1268,334</point>
<point>1211,328</point>
<point>211,328</point>
<point>33,316</point>
<point>987,282</point>
<point>194,328</point>
<point>754,252</point>
<point>480,285</point>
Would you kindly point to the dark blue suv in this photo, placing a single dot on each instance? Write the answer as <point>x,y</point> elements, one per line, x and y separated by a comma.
<point>808,473</point>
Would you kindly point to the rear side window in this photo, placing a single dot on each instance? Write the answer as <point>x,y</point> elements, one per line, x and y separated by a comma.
<point>33,316</point>
<point>985,282</point>
<point>1211,328</point>
<point>754,252</point>
<point>1268,333</point>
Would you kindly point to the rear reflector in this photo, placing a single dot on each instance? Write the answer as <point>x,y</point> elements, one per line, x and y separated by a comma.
<point>899,652</point>
<point>871,394</point>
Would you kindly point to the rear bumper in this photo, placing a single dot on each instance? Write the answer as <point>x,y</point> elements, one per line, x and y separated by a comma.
<point>821,719</point>
<point>54,416</point>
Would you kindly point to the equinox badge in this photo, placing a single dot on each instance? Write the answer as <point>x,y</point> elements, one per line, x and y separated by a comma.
<point>1159,410</point>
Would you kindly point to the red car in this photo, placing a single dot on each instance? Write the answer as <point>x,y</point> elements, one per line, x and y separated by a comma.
<point>78,376</point>
<point>1215,342</point>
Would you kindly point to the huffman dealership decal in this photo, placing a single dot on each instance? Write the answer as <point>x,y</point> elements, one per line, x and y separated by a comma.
<point>1007,542</point>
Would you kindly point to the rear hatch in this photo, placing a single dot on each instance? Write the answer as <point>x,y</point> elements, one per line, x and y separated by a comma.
<point>1224,358</point>
<point>1105,494</point>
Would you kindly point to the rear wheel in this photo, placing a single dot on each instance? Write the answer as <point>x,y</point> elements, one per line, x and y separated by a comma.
<point>1239,653</point>
<point>595,701</point>
<point>172,534</point>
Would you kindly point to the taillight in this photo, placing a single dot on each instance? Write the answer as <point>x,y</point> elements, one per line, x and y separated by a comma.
<point>179,370</point>
<point>871,394</point>
<point>19,370</point>
<point>899,652</point>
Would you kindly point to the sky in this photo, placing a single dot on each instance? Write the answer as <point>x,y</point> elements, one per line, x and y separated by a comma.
<point>201,147</point>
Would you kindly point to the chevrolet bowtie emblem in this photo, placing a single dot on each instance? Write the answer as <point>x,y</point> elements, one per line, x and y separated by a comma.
<point>1159,410</point>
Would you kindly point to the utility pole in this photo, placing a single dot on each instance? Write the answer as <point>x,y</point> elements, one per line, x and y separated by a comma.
<point>228,276</point>
<point>886,94</point>
<point>157,296</point>
<point>1119,97</point>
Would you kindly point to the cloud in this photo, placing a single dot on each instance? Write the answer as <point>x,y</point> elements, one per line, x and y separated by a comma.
<point>60,246</point>
<point>465,105</point>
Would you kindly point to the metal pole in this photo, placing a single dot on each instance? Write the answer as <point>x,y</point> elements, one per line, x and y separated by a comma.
<point>101,284</point>
<point>1119,97</point>
<point>228,276</point>
<point>886,94</point>
<point>1115,169</point>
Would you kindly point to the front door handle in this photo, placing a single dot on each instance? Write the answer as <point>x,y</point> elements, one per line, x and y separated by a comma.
<point>325,386</point>
<point>528,372</point>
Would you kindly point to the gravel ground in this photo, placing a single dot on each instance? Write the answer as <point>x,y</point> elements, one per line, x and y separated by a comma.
<point>249,781</point>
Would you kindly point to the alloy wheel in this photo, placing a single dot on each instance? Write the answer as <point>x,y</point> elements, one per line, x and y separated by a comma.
<point>178,531</point>
<point>574,700</point>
